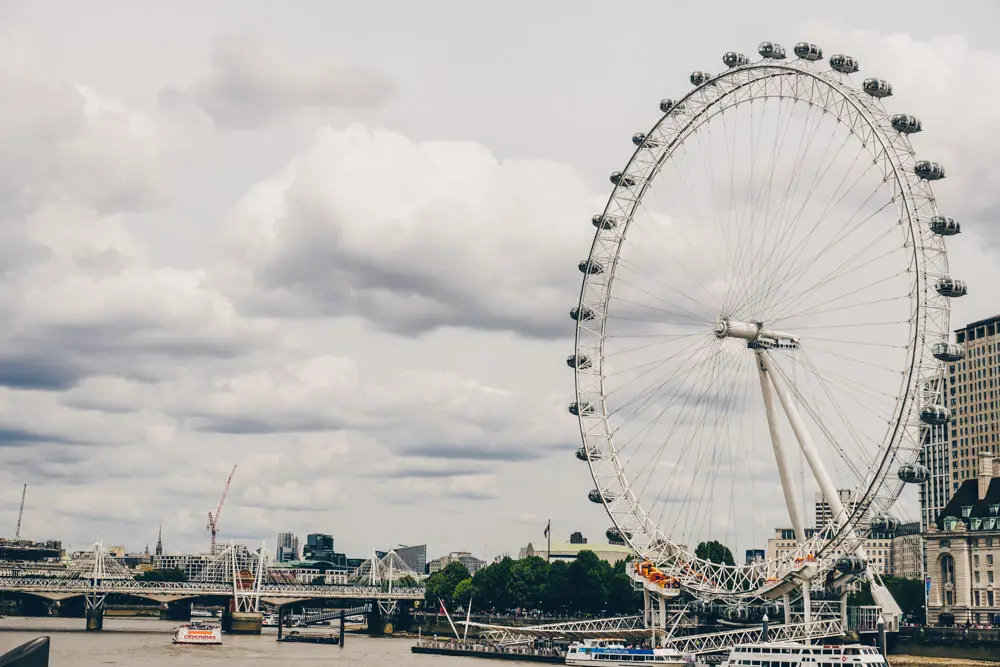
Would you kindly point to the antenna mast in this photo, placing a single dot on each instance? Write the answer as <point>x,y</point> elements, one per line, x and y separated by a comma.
<point>213,521</point>
<point>20,512</point>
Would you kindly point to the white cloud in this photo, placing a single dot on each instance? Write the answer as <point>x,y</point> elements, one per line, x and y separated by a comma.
<point>250,83</point>
<point>416,235</point>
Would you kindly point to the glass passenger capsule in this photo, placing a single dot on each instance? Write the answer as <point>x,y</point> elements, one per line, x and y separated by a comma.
<point>884,524</point>
<point>582,314</point>
<point>948,351</point>
<point>944,226</point>
<point>877,87</point>
<point>905,123</point>
<point>667,105</point>
<point>597,496</point>
<point>640,139</point>
<point>844,64</point>
<point>591,267</point>
<point>582,453</point>
<point>699,78</point>
<point>577,409</point>
<point>935,415</point>
<point>851,565</point>
<point>615,535</point>
<point>948,286</point>
<point>605,221</point>
<point>929,171</point>
<point>913,473</point>
<point>620,179</point>
<point>771,51</point>
<point>807,51</point>
<point>734,59</point>
<point>580,362</point>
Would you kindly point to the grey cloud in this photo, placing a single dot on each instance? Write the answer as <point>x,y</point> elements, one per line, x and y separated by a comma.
<point>277,423</point>
<point>248,85</point>
<point>473,452</point>
<point>38,372</point>
<point>19,437</point>
<point>425,473</point>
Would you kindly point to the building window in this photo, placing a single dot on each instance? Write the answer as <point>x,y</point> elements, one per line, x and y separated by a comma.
<point>989,576</point>
<point>975,560</point>
<point>989,559</point>
<point>975,576</point>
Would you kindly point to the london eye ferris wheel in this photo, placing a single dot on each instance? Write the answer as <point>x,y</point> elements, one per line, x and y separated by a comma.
<point>763,320</point>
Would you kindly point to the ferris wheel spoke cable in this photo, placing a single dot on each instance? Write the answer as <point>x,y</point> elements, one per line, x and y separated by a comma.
<point>650,394</point>
<point>803,267</point>
<point>820,308</point>
<point>795,173</point>
<point>764,196</point>
<point>788,252</point>
<point>695,432</point>
<point>783,221</point>
<point>850,391</point>
<point>855,360</point>
<point>691,379</point>
<point>681,311</point>
<point>698,389</point>
<point>706,510</point>
<point>835,201</point>
<point>840,272</point>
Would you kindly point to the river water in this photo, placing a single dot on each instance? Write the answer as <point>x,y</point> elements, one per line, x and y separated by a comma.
<point>141,642</point>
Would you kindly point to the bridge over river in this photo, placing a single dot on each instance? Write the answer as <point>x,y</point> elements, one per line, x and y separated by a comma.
<point>237,573</point>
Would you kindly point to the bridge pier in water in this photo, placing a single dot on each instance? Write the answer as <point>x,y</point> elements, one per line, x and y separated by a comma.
<point>95,612</point>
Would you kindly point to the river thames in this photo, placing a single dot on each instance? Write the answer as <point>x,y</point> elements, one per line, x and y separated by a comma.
<point>146,643</point>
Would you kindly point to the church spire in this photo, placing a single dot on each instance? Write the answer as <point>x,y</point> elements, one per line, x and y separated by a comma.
<point>159,540</point>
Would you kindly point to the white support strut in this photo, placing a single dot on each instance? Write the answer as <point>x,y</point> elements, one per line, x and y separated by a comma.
<point>780,455</point>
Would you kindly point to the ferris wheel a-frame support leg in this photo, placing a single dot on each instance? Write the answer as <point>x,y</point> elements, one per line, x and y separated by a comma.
<point>780,453</point>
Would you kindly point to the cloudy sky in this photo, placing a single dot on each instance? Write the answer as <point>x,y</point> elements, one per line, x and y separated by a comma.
<point>335,243</point>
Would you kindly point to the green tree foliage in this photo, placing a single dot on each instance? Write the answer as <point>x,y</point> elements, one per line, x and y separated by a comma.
<point>715,551</point>
<point>441,585</point>
<point>587,586</point>
<point>171,574</point>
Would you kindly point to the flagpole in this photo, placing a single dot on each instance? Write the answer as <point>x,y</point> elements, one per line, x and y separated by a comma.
<point>548,548</point>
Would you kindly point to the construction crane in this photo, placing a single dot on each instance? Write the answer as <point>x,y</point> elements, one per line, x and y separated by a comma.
<point>20,512</point>
<point>213,521</point>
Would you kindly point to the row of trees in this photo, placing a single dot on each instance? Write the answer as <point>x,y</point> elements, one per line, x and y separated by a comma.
<point>587,586</point>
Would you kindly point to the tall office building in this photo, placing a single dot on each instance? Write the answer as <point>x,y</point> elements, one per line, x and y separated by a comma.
<point>415,557</point>
<point>288,548</point>
<point>971,392</point>
<point>319,546</point>
<point>824,514</point>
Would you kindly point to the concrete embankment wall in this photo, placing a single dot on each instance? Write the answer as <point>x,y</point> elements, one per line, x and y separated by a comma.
<point>958,643</point>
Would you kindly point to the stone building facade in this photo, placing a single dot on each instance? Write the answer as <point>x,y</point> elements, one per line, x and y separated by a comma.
<point>963,552</point>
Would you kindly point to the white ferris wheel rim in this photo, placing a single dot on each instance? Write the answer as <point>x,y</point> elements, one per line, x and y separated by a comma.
<point>831,90</point>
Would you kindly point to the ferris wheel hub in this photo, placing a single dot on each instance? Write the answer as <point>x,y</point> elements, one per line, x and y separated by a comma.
<point>755,334</point>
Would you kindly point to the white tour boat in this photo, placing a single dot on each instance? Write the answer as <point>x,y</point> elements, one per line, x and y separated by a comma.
<point>197,632</point>
<point>614,652</point>
<point>790,654</point>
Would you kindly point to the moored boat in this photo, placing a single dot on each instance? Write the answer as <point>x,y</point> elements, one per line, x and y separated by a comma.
<point>197,632</point>
<point>614,652</point>
<point>791,654</point>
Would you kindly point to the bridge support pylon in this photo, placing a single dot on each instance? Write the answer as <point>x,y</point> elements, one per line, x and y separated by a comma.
<point>95,611</point>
